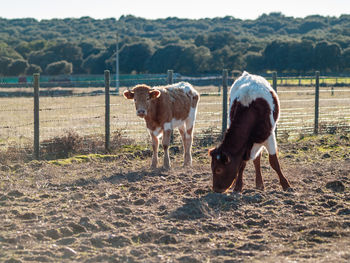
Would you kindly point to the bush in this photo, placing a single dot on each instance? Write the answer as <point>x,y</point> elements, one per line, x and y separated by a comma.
<point>59,68</point>
<point>63,147</point>
<point>72,143</point>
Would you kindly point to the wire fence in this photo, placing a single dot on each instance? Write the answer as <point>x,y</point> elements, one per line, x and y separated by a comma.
<point>305,109</point>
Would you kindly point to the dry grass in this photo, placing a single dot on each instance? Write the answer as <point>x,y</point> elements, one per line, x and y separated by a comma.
<point>85,114</point>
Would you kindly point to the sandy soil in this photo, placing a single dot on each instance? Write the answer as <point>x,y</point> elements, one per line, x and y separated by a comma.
<point>114,209</point>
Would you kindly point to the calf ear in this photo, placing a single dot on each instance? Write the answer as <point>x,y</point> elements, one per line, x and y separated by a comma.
<point>153,94</point>
<point>211,152</point>
<point>128,94</point>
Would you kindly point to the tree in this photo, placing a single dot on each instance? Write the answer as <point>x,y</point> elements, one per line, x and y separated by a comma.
<point>89,47</point>
<point>215,41</point>
<point>165,58</point>
<point>96,63</point>
<point>194,59</point>
<point>226,58</point>
<point>300,56</point>
<point>59,68</point>
<point>17,67</point>
<point>346,60</point>
<point>276,55</point>
<point>42,58</point>
<point>134,57</point>
<point>254,62</point>
<point>4,64</point>
<point>69,52</point>
<point>33,69</point>
<point>327,56</point>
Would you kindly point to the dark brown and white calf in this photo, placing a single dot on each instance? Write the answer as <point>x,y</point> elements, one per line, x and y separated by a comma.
<point>254,112</point>
<point>164,109</point>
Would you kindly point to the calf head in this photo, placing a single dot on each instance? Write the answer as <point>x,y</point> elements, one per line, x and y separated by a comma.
<point>225,169</point>
<point>142,95</point>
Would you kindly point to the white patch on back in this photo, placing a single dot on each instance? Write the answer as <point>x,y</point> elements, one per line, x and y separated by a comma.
<point>248,88</point>
<point>184,86</point>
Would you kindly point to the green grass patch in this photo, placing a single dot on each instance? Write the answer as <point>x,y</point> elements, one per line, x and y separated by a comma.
<point>84,159</point>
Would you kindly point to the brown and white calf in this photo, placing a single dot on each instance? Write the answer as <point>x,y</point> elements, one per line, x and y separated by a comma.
<point>254,112</point>
<point>164,109</point>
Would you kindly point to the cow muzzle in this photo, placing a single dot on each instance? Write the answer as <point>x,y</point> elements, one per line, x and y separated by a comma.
<point>141,113</point>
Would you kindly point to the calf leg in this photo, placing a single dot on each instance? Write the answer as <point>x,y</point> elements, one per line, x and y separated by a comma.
<point>271,147</point>
<point>166,143</point>
<point>259,183</point>
<point>155,146</point>
<point>188,147</point>
<point>276,166</point>
<point>189,136</point>
<point>182,131</point>
<point>239,180</point>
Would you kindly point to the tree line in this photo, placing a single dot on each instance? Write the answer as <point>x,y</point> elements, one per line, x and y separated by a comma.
<point>88,46</point>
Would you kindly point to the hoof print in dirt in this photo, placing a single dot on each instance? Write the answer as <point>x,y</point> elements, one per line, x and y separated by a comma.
<point>336,186</point>
<point>76,228</point>
<point>320,236</point>
<point>300,208</point>
<point>167,239</point>
<point>252,246</point>
<point>344,211</point>
<point>52,233</point>
<point>27,216</point>
<point>253,198</point>
<point>66,241</point>
<point>188,259</point>
<point>96,242</point>
<point>15,193</point>
<point>119,241</point>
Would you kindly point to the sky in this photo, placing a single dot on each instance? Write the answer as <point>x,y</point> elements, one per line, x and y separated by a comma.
<point>153,9</point>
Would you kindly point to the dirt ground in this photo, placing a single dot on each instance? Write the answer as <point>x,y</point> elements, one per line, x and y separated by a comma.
<point>99,208</point>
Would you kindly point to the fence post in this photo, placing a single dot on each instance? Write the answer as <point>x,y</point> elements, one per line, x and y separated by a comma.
<point>274,81</point>
<point>170,77</point>
<point>317,99</point>
<point>224,101</point>
<point>274,86</point>
<point>107,111</point>
<point>36,77</point>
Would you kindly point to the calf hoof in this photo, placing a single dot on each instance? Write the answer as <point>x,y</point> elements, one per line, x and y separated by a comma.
<point>285,185</point>
<point>166,167</point>
<point>260,187</point>
<point>187,164</point>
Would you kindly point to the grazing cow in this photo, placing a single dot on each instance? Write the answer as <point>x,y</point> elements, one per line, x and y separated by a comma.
<point>254,112</point>
<point>164,109</point>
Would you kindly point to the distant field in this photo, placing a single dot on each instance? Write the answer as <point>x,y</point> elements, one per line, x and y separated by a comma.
<point>306,81</point>
<point>83,113</point>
